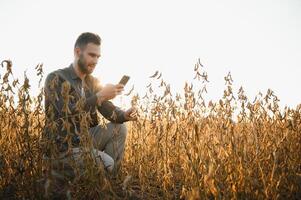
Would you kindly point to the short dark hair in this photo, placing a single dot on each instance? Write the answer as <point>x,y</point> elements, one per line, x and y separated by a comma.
<point>86,38</point>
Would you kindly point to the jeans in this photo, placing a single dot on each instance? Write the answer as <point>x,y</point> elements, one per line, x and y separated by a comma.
<point>108,148</point>
<point>110,142</point>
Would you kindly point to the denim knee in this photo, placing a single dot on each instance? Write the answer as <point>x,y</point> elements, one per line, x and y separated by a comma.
<point>121,128</point>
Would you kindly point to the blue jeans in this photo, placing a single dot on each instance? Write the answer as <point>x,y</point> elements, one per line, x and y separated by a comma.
<point>110,142</point>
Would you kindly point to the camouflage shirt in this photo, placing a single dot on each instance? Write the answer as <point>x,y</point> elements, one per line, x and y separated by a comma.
<point>56,85</point>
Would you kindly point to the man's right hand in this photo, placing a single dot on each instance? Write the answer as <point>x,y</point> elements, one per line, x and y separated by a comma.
<point>109,92</point>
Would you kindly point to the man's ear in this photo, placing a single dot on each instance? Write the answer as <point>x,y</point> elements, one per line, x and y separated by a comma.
<point>77,51</point>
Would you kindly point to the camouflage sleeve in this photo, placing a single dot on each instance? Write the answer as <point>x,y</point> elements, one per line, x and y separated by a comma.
<point>112,112</point>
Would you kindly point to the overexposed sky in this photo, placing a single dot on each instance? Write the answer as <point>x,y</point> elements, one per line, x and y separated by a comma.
<point>258,41</point>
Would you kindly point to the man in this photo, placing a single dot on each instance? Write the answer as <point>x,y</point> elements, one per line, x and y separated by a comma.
<point>109,142</point>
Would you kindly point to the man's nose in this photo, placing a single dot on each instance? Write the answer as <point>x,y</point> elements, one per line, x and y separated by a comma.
<point>95,61</point>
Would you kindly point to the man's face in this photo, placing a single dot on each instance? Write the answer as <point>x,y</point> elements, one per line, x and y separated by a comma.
<point>88,58</point>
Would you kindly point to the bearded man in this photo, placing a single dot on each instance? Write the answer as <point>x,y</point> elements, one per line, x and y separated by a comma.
<point>109,141</point>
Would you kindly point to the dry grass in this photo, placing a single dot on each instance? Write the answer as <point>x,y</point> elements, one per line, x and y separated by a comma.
<point>181,146</point>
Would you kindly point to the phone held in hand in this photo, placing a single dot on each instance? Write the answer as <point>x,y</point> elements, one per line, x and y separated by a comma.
<point>124,80</point>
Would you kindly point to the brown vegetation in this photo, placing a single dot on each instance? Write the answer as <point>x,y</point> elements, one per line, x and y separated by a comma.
<point>181,146</point>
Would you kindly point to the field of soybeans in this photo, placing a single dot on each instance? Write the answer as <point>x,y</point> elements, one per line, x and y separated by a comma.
<point>181,147</point>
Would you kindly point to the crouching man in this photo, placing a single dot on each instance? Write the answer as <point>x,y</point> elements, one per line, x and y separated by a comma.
<point>76,85</point>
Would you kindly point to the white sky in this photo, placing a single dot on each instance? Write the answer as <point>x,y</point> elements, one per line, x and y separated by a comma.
<point>258,41</point>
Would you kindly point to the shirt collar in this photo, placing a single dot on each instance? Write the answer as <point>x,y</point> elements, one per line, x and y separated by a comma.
<point>72,72</point>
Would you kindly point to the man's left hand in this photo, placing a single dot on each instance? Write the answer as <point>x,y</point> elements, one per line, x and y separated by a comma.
<point>131,114</point>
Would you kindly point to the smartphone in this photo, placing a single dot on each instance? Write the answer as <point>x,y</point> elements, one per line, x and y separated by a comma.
<point>124,79</point>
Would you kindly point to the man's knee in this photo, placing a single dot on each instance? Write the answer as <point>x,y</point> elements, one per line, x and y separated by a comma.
<point>120,128</point>
<point>123,129</point>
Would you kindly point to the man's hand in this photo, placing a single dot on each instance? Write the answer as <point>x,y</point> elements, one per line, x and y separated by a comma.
<point>131,114</point>
<point>109,92</point>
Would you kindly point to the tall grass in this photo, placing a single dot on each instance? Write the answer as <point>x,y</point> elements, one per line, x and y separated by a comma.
<point>181,146</point>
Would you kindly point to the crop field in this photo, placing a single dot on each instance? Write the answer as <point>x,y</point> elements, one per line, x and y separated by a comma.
<point>181,146</point>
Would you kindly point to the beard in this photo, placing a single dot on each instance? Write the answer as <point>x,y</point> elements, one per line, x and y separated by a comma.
<point>83,67</point>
